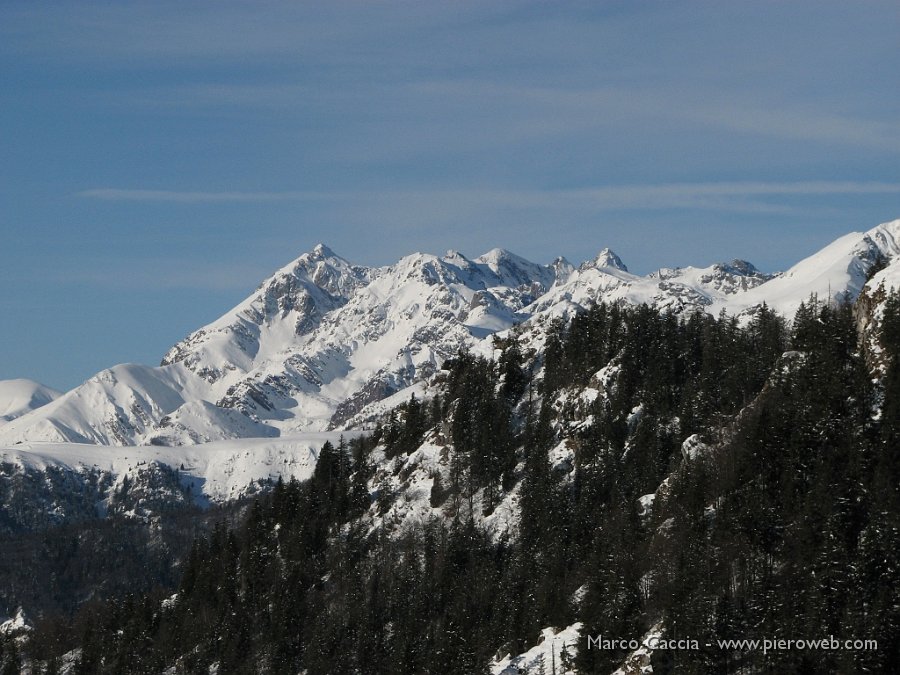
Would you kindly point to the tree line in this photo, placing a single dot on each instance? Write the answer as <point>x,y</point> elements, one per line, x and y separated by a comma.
<point>780,520</point>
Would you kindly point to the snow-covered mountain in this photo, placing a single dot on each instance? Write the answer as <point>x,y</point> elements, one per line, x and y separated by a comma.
<point>322,341</point>
<point>839,271</point>
<point>21,396</point>
<point>51,476</point>
<point>317,342</point>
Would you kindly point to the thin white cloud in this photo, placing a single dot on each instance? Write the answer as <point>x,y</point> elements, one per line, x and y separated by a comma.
<point>162,274</point>
<point>441,115</point>
<point>723,196</point>
<point>540,110</point>
<point>188,197</point>
<point>718,195</point>
<point>782,121</point>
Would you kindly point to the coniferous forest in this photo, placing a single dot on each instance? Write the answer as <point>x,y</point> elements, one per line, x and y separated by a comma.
<point>780,517</point>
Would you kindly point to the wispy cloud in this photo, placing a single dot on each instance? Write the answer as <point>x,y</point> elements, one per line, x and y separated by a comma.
<point>439,115</point>
<point>539,110</point>
<point>790,122</point>
<point>717,195</point>
<point>165,275</point>
<point>189,197</point>
<point>723,196</point>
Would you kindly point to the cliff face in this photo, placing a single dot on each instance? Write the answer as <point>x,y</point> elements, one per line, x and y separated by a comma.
<point>870,309</point>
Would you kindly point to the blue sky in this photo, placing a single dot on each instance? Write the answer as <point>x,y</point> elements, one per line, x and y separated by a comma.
<point>158,160</point>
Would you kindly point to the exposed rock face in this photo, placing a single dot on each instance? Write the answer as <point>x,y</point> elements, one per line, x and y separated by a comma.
<point>870,309</point>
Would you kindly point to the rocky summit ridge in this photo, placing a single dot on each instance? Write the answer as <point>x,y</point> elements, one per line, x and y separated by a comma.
<point>322,340</point>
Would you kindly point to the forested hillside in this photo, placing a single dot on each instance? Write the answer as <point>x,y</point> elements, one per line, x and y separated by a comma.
<point>694,476</point>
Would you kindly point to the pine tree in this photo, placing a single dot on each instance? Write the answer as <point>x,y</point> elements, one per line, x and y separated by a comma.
<point>11,660</point>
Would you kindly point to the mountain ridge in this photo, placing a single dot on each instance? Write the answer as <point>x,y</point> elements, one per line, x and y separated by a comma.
<point>321,339</point>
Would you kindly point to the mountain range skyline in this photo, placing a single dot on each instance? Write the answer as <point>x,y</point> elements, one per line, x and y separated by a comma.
<point>324,344</point>
<point>158,160</point>
<point>323,246</point>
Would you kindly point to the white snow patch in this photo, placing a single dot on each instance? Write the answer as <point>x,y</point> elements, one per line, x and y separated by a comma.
<point>693,447</point>
<point>555,652</point>
<point>638,661</point>
<point>220,471</point>
<point>646,504</point>
<point>562,457</point>
<point>589,395</point>
<point>16,625</point>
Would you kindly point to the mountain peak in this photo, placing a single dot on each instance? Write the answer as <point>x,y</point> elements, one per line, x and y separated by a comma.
<point>498,257</point>
<point>886,237</point>
<point>514,270</point>
<point>454,256</point>
<point>20,396</point>
<point>741,267</point>
<point>608,258</point>
<point>500,254</point>
<point>562,269</point>
<point>322,251</point>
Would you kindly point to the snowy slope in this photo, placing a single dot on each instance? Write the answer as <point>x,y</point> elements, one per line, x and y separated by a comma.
<point>322,341</point>
<point>836,272</point>
<point>290,304</point>
<point>113,407</point>
<point>886,280</point>
<point>21,396</point>
<point>219,471</point>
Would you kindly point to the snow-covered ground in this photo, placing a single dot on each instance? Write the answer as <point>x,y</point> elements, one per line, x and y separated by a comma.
<point>15,625</point>
<point>218,471</point>
<point>18,397</point>
<point>638,661</point>
<point>554,653</point>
